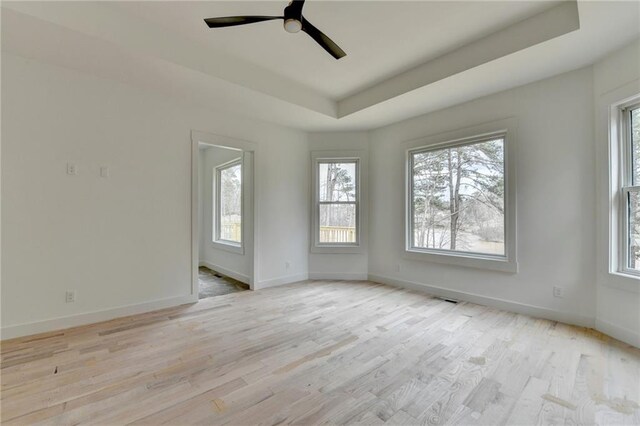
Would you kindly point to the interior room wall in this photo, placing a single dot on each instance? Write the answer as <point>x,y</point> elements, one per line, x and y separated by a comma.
<point>235,265</point>
<point>123,243</point>
<point>616,77</point>
<point>351,266</point>
<point>555,201</point>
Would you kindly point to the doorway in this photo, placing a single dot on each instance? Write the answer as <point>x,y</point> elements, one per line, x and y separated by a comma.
<point>223,228</point>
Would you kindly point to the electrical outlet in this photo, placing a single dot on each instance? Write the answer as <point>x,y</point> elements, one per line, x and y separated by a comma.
<point>72,169</point>
<point>558,292</point>
<point>70,296</point>
<point>104,171</point>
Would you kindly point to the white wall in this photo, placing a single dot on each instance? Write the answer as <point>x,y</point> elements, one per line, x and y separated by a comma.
<point>344,265</point>
<point>562,155</point>
<point>555,201</point>
<point>618,298</point>
<point>122,243</point>
<point>235,265</point>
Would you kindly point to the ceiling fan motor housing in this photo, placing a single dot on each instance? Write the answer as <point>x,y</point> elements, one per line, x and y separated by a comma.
<point>293,17</point>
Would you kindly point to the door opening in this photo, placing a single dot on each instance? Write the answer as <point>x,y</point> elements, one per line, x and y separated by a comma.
<point>224,224</point>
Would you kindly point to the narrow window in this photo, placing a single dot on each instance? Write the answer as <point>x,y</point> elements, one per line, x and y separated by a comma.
<point>337,202</point>
<point>457,198</point>
<point>229,203</point>
<point>630,143</point>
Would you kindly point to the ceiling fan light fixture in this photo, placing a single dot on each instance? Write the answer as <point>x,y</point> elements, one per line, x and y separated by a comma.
<point>293,22</point>
<point>292,25</point>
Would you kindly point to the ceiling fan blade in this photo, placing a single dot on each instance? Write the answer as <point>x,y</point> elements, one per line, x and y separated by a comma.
<point>322,39</point>
<point>230,21</point>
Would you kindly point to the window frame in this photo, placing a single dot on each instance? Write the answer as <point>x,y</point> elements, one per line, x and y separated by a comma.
<point>359,158</point>
<point>230,245</point>
<point>504,129</point>
<point>625,184</point>
<point>319,202</point>
<point>411,234</point>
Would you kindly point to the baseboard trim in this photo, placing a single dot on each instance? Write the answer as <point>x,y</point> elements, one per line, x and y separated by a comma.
<point>287,279</point>
<point>338,276</point>
<point>520,308</point>
<point>61,323</point>
<point>228,272</point>
<point>623,334</point>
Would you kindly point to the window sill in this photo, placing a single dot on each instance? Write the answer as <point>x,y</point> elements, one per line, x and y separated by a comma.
<point>337,249</point>
<point>228,246</point>
<point>621,281</point>
<point>468,261</point>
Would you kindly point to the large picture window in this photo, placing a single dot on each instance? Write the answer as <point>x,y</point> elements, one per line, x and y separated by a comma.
<point>630,191</point>
<point>457,198</point>
<point>337,202</point>
<point>228,203</point>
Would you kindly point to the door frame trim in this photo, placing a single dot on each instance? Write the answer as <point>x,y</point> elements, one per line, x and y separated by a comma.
<point>251,242</point>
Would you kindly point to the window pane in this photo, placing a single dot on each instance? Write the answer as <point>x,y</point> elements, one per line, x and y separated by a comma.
<point>337,181</point>
<point>231,203</point>
<point>337,223</point>
<point>634,230</point>
<point>635,143</point>
<point>458,198</point>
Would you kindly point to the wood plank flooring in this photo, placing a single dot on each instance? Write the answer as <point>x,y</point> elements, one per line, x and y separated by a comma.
<point>318,352</point>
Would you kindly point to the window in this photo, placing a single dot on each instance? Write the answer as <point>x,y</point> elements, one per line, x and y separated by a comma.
<point>337,202</point>
<point>228,200</point>
<point>457,203</point>
<point>630,192</point>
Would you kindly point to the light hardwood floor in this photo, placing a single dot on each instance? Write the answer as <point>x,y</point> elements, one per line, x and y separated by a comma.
<point>322,352</point>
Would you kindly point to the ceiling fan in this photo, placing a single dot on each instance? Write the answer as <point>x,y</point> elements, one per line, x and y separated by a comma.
<point>293,23</point>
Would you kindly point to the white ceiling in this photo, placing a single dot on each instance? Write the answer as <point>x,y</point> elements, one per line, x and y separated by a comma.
<point>404,58</point>
<point>381,38</point>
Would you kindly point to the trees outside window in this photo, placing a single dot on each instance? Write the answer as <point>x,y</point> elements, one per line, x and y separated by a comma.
<point>457,198</point>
